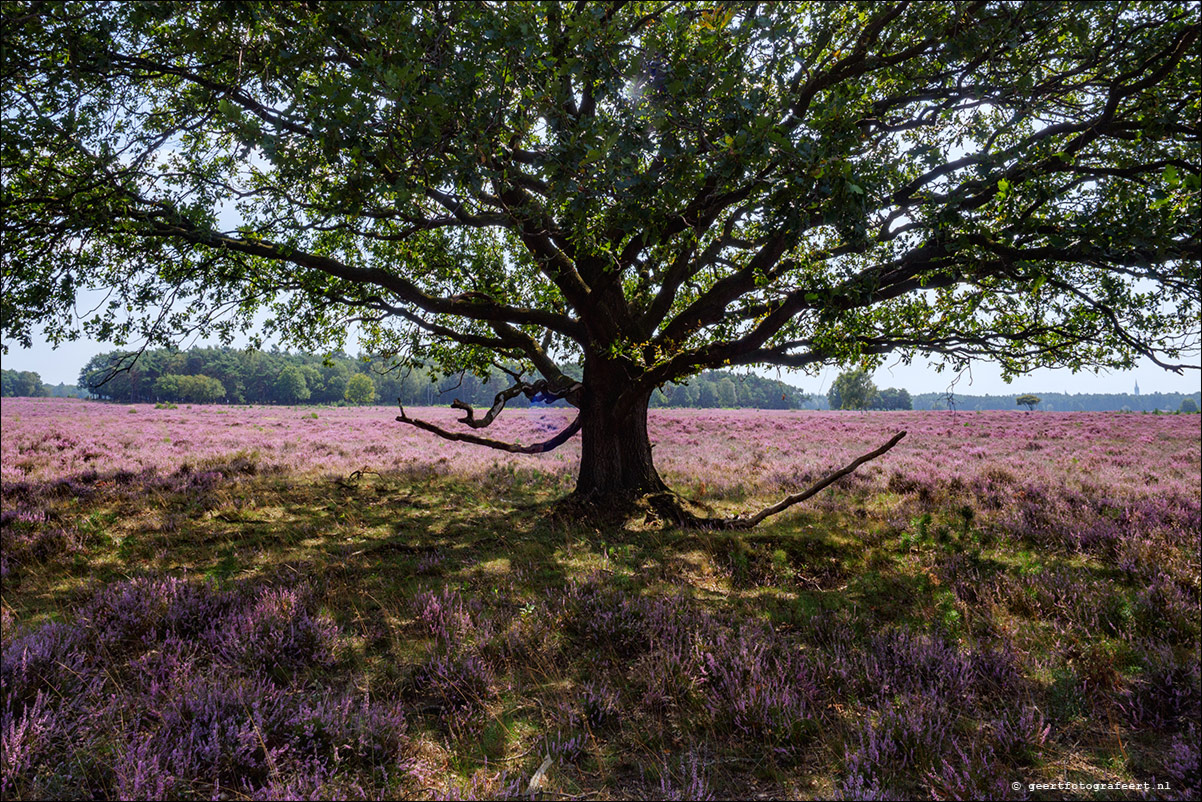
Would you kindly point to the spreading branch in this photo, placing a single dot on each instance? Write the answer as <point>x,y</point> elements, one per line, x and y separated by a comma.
<point>541,390</point>
<point>513,448</point>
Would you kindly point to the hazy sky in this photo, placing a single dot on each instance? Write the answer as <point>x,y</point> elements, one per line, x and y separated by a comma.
<point>63,365</point>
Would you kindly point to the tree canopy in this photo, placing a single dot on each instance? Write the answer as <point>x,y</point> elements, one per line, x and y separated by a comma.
<point>649,189</point>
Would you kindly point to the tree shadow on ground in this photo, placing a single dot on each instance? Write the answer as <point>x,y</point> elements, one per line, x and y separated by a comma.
<point>580,620</point>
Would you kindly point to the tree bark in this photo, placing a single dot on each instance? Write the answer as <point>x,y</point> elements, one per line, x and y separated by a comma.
<point>615,450</point>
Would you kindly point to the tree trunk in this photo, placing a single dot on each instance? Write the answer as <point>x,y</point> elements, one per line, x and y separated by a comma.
<point>615,451</point>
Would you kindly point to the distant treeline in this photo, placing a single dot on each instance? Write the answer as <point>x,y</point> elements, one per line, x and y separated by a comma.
<point>1063,402</point>
<point>225,375</point>
<point>222,375</point>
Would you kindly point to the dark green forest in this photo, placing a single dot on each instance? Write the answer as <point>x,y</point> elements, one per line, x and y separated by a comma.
<point>224,375</point>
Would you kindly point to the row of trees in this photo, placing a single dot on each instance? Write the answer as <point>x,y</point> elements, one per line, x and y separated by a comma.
<point>28,383</point>
<point>720,388</point>
<point>208,375</point>
<point>1031,401</point>
<point>223,375</point>
<point>1063,402</point>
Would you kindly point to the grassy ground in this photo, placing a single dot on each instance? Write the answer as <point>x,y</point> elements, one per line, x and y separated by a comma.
<point>831,653</point>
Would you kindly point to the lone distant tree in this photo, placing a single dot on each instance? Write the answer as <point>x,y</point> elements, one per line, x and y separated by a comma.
<point>1028,400</point>
<point>649,189</point>
<point>852,389</point>
<point>360,390</point>
<point>1188,405</point>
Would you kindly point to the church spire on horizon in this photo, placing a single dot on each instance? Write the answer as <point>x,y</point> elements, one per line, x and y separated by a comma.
<point>1137,388</point>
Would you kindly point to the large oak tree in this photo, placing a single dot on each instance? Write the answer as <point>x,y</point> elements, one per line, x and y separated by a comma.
<point>648,189</point>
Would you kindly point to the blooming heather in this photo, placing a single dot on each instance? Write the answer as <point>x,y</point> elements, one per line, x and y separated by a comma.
<point>1001,591</point>
<point>722,453</point>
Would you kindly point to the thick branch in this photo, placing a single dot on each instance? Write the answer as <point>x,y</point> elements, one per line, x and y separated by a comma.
<point>513,448</point>
<point>487,311</point>
<point>498,404</point>
<point>569,393</point>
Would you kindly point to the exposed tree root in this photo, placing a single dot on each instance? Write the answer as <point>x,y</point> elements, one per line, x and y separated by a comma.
<point>610,509</point>
<point>671,508</point>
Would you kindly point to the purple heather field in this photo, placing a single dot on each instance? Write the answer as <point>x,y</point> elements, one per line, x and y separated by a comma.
<point>721,453</point>
<point>203,602</point>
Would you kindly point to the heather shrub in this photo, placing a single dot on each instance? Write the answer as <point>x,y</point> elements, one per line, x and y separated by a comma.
<point>194,608</point>
<point>1069,596</point>
<point>664,682</point>
<point>996,673</point>
<point>222,729</point>
<point>1166,693</point>
<point>686,780</point>
<point>607,621</point>
<point>29,535</point>
<point>28,736</point>
<point>139,772</point>
<point>566,747</point>
<point>532,634</point>
<point>444,615</point>
<point>1181,764</point>
<point>857,786</point>
<point>1019,734</point>
<point>900,661</point>
<point>460,687</point>
<point>361,732</point>
<point>1164,609</point>
<point>8,623</point>
<point>601,703</point>
<point>317,782</point>
<point>278,633</point>
<point>891,748</point>
<point>699,665</point>
<point>48,660</point>
<point>963,575</point>
<point>758,692</point>
<point>245,732</point>
<point>1065,696</point>
<point>970,773</point>
<point>162,688</point>
<point>133,612</point>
